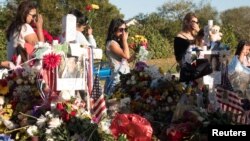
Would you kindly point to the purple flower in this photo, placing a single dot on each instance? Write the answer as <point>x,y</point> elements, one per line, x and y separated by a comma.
<point>139,66</point>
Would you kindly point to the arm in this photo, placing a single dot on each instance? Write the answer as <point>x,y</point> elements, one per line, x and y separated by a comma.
<point>122,52</point>
<point>91,38</point>
<point>8,65</point>
<point>4,64</point>
<point>30,36</point>
<point>39,25</point>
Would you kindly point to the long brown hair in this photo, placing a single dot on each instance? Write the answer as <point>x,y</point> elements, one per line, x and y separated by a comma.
<point>20,18</point>
<point>186,21</point>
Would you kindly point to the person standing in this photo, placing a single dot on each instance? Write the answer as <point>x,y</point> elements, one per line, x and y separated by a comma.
<point>242,52</point>
<point>185,38</point>
<point>20,34</point>
<point>81,25</point>
<point>117,52</point>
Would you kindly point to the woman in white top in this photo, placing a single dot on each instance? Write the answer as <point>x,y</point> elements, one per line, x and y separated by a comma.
<point>117,52</point>
<point>81,24</point>
<point>20,32</point>
<point>242,52</point>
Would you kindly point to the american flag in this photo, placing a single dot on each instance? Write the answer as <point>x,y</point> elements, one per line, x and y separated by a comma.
<point>99,106</point>
<point>231,102</point>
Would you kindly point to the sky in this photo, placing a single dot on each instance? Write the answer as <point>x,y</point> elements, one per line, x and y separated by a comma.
<point>131,8</point>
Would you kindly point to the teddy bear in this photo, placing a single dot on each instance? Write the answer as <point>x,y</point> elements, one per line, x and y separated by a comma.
<point>215,34</point>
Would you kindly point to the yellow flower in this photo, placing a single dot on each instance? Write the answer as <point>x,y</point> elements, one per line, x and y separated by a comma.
<point>95,6</point>
<point>4,90</point>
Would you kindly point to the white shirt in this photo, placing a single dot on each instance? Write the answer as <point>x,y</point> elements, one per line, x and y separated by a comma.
<point>81,39</point>
<point>16,40</point>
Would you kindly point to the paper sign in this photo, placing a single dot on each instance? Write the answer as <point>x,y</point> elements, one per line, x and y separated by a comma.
<point>71,74</point>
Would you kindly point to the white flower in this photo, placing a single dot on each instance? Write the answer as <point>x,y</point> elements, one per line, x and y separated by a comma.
<point>167,108</point>
<point>32,130</point>
<point>32,81</point>
<point>170,100</point>
<point>41,121</point>
<point>48,114</point>
<point>19,81</point>
<point>50,139</point>
<point>133,77</point>
<point>133,82</point>
<point>128,82</point>
<point>104,125</point>
<point>9,124</point>
<point>141,74</point>
<point>25,73</point>
<point>25,82</point>
<point>48,131</point>
<point>55,122</point>
<point>66,95</point>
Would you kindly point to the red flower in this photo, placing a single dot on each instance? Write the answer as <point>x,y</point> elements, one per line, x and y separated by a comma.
<point>73,113</point>
<point>51,61</point>
<point>134,126</point>
<point>175,135</point>
<point>88,8</point>
<point>59,106</point>
<point>3,83</point>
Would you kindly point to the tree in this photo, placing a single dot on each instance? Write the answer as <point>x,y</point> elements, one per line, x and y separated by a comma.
<point>206,12</point>
<point>239,19</point>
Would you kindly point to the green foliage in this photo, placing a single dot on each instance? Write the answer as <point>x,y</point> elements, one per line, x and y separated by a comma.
<point>159,27</point>
<point>229,38</point>
<point>2,45</point>
<point>239,19</point>
<point>158,46</point>
<point>205,13</point>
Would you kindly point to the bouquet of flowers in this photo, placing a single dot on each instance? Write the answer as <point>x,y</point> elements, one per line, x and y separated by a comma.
<point>139,44</point>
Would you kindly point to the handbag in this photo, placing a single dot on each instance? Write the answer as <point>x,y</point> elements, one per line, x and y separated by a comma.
<point>191,72</point>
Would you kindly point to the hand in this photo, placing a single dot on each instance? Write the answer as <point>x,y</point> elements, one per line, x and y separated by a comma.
<point>124,36</point>
<point>90,31</point>
<point>39,21</point>
<point>195,27</point>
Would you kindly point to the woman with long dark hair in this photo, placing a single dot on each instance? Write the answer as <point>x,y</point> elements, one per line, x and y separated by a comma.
<point>242,52</point>
<point>20,31</point>
<point>117,52</point>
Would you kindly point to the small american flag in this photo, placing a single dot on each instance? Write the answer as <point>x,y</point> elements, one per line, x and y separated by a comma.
<point>99,106</point>
<point>231,102</point>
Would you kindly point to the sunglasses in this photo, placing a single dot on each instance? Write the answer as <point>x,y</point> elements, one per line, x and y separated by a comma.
<point>195,22</point>
<point>33,16</point>
<point>122,29</point>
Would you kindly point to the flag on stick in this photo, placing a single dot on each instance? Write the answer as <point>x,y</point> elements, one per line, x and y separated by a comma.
<point>231,102</point>
<point>99,106</point>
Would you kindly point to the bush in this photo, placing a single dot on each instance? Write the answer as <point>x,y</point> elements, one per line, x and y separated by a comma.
<point>3,45</point>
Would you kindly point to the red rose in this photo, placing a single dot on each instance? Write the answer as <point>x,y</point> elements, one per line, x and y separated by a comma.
<point>59,106</point>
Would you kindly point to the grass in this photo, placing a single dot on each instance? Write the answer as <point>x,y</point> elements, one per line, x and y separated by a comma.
<point>167,64</point>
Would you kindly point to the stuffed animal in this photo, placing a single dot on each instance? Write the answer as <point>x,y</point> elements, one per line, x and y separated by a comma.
<point>215,34</point>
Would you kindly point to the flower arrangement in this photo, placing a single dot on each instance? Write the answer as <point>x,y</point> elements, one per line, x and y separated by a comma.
<point>139,45</point>
<point>154,96</point>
